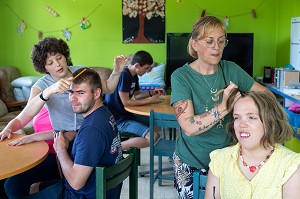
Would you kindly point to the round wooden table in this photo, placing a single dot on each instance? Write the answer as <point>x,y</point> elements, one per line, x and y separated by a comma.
<point>17,159</point>
<point>163,107</point>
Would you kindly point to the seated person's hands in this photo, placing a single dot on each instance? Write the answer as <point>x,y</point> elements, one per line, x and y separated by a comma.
<point>22,140</point>
<point>157,91</point>
<point>6,133</point>
<point>61,142</point>
<point>70,135</point>
<point>157,98</point>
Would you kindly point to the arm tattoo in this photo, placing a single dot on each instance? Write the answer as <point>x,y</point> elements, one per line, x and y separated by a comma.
<point>192,120</point>
<point>180,107</point>
<point>215,113</point>
<point>205,127</point>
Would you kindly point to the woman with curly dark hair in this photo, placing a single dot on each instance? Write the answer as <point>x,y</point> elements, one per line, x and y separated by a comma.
<point>51,56</point>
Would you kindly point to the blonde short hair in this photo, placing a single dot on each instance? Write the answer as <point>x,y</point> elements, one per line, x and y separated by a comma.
<point>201,28</point>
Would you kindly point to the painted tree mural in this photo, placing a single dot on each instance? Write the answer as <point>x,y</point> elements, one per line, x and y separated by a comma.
<point>139,15</point>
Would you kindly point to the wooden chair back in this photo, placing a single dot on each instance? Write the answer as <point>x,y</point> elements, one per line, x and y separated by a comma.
<point>161,148</point>
<point>199,183</point>
<point>110,177</point>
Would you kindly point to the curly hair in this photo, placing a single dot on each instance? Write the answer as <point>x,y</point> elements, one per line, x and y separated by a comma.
<point>201,28</point>
<point>271,113</point>
<point>52,46</point>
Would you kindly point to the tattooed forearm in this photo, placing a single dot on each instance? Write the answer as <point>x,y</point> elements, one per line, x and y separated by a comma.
<point>215,112</point>
<point>180,107</point>
<point>205,127</point>
<point>192,120</point>
<point>204,115</point>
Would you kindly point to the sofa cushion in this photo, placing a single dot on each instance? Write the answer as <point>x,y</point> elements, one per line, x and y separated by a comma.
<point>26,81</point>
<point>153,79</point>
<point>6,90</point>
<point>3,108</point>
<point>19,95</point>
<point>12,72</point>
<point>9,116</point>
<point>22,87</point>
<point>103,72</point>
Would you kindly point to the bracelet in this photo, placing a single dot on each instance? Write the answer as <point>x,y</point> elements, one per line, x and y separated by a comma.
<point>42,97</point>
<point>150,94</point>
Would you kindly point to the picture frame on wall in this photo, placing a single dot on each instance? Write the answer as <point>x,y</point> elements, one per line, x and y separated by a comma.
<point>143,21</point>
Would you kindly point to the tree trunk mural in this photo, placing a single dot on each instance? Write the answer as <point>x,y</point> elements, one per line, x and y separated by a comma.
<point>143,21</point>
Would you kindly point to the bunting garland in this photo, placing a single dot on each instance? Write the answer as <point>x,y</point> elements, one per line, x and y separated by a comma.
<point>84,22</point>
<point>22,26</point>
<point>51,11</point>
<point>228,17</point>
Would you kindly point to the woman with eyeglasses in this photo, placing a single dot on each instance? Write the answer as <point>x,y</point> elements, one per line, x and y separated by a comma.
<point>199,94</point>
<point>257,166</point>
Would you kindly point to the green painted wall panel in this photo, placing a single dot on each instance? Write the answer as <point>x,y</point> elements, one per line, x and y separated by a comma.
<point>99,44</point>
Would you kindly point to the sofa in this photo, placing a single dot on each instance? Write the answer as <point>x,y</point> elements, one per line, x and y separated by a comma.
<point>9,106</point>
<point>102,71</point>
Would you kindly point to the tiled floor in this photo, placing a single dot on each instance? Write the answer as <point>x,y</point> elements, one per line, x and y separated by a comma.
<point>167,191</point>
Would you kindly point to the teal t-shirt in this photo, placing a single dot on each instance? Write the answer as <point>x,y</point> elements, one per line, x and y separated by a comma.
<point>188,84</point>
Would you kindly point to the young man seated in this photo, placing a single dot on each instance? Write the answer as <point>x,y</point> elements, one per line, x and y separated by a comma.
<point>96,144</point>
<point>127,94</point>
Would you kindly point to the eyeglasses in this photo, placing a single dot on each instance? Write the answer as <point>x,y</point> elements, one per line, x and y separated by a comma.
<point>211,43</point>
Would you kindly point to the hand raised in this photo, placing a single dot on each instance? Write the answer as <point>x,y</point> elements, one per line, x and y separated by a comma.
<point>119,63</point>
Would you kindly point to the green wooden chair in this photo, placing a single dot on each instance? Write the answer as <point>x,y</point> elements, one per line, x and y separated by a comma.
<point>199,183</point>
<point>161,148</point>
<point>109,177</point>
<point>126,136</point>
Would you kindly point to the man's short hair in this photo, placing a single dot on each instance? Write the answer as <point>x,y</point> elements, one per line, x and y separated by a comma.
<point>88,76</point>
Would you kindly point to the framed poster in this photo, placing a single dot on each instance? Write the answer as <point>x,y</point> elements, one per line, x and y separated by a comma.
<point>143,21</point>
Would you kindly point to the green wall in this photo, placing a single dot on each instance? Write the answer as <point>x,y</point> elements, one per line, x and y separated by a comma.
<point>97,45</point>
<point>288,9</point>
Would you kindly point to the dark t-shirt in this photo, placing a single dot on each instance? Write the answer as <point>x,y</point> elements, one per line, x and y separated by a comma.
<point>96,144</point>
<point>127,83</point>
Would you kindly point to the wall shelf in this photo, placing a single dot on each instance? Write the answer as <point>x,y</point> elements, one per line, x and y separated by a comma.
<point>285,95</point>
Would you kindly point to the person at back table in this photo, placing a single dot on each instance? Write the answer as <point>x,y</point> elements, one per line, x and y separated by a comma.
<point>257,166</point>
<point>127,94</point>
<point>97,143</point>
<point>198,103</point>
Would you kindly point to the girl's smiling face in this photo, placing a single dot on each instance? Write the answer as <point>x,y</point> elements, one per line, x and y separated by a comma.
<point>248,126</point>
